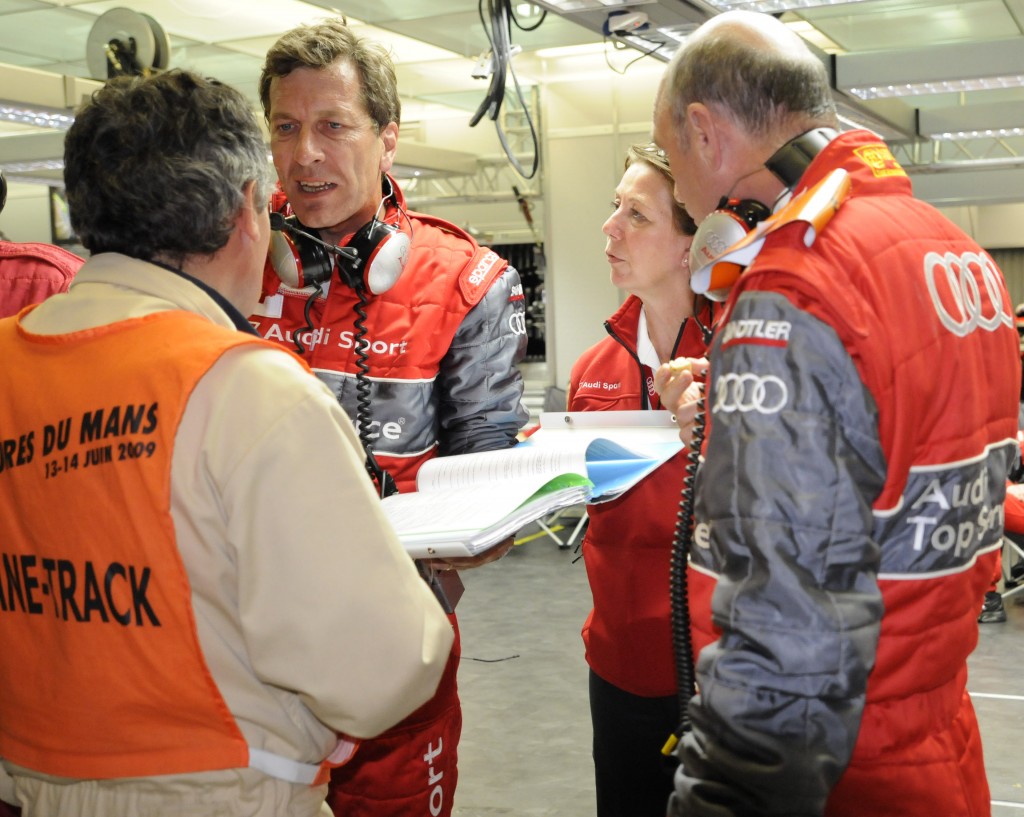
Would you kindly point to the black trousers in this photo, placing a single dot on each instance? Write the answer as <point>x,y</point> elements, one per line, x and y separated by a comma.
<point>633,778</point>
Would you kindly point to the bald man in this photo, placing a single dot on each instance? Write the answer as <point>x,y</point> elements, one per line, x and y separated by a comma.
<point>849,507</point>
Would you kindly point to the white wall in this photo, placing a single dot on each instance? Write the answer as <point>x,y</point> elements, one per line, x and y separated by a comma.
<point>993,226</point>
<point>589,126</point>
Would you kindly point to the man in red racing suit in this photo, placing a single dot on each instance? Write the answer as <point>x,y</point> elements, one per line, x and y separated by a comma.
<point>441,344</point>
<point>850,503</point>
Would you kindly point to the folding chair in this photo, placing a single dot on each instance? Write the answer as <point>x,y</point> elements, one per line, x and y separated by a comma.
<point>1013,564</point>
<point>548,525</point>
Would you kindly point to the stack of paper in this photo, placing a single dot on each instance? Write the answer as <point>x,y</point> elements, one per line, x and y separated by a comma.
<point>465,504</point>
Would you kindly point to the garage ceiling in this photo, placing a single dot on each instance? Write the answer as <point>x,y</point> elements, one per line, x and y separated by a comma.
<point>970,118</point>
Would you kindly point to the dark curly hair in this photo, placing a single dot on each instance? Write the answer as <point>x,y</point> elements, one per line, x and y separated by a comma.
<point>155,168</point>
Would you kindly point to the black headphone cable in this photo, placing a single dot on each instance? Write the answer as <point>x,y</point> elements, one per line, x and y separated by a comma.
<point>682,639</point>
<point>382,479</point>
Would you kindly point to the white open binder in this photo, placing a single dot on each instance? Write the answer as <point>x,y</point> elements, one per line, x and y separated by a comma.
<point>468,503</point>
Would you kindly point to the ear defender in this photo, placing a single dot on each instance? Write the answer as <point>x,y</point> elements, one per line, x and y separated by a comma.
<point>373,260</point>
<point>296,260</point>
<point>732,220</point>
<point>383,250</point>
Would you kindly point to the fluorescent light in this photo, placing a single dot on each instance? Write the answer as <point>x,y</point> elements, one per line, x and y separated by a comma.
<point>1000,133</point>
<point>938,69</point>
<point>583,5</point>
<point>775,6</point>
<point>14,168</point>
<point>948,86</point>
<point>998,120</point>
<point>38,118</point>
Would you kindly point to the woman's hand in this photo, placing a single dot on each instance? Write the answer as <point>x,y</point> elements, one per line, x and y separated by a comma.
<point>677,386</point>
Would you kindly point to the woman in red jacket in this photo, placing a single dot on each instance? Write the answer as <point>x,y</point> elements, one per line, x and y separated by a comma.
<point>627,549</point>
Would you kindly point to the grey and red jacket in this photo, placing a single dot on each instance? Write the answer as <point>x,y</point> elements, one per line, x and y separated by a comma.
<point>628,545</point>
<point>850,509</point>
<point>442,346</point>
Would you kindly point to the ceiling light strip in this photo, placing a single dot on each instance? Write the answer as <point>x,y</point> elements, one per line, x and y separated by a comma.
<point>940,87</point>
<point>775,6</point>
<point>38,118</point>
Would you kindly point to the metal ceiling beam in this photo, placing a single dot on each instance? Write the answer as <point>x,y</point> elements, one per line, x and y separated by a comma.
<point>44,89</point>
<point>951,62</point>
<point>667,20</point>
<point>491,182</point>
<point>32,147</point>
<point>979,119</point>
<point>891,119</point>
<point>431,160</point>
<point>948,185</point>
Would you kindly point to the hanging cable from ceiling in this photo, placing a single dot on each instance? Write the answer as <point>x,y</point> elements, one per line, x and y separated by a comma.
<point>624,29</point>
<point>499,36</point>
<point>620,43</point>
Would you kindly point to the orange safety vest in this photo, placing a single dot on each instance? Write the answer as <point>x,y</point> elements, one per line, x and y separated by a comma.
<point>103,675</point>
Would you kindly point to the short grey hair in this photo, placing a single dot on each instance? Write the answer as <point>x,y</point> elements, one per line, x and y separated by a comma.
<point>157,167</point>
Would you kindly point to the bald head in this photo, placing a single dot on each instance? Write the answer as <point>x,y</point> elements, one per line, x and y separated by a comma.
<point>762,32</point>
<point>757,70</point>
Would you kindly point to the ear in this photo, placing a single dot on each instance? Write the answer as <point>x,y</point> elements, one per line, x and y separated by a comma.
<point>389,139</point>
<point>705,134</point>
<point>684,262</point>
<point>247,221</point>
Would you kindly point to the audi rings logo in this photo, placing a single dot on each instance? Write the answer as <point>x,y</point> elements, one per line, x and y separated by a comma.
<point>966,292</point>
<point>765,394</point>
<point>517,323</point>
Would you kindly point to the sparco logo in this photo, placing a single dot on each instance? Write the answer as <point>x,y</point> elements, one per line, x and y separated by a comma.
<point>765,394</point>
<point>480,271</point>
<point>966,292</point>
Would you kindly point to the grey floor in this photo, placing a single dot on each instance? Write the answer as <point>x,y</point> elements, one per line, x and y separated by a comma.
<point>525,746</point>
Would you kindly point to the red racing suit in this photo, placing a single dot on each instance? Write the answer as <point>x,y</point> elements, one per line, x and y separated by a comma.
<point>442,347</point>
<point>31,272</point>
<point>850,505</point>
<point>628,634</point>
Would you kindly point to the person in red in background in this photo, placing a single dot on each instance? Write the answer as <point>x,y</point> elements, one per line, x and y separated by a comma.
<point>627,548</point>
<point>992,609</point>
<point>31,272</point>
<point>442,337</point>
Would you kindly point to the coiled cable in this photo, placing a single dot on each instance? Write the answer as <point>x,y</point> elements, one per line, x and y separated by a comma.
<point>382,479</point>
<point>306,313</point>
<point>682,639</point>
